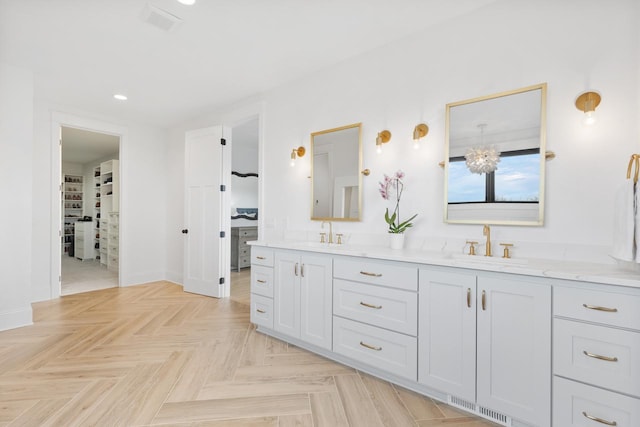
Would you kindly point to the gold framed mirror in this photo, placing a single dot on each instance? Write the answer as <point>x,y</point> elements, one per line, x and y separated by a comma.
<point>336,182</point>
<point>495,158</point>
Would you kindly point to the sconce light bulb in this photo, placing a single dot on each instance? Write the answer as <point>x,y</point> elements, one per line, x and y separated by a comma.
<point>293,162</point>
<point>379,149</point>
<point>589,118</point>
<point>416,145</point>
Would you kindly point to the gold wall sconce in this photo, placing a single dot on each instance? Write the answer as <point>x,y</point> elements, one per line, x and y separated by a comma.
<point>295,153</point>
<point>382,138</point>
<point>420,131</point>
<point>587,103</point>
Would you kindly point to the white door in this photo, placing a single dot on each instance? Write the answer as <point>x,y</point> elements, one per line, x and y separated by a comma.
<point>207,213</point>
<point>447,327</point>
<point>316,300</point>
<point>286,294</point>
<point>514,348</point>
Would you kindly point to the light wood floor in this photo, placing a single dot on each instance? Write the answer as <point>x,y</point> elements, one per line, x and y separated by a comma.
<point>154,355</point>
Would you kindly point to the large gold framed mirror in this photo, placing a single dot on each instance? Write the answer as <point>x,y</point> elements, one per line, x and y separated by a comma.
<point>495,158</point>
<point>336,182</point>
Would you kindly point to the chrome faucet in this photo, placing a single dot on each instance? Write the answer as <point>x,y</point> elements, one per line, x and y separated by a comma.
<point>330,230</point>
<point>486,231</point>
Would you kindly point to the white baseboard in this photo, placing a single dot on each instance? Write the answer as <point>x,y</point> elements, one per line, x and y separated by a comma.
<point>16,318</point>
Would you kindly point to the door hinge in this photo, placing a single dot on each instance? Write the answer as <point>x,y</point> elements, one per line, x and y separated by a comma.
<point>222,280</point>
<point>223,187</point>
<point>223,234</point>
<point>59,233</point>
<point>223,141</point>
<point>59,278</point>
<point>61,185</point>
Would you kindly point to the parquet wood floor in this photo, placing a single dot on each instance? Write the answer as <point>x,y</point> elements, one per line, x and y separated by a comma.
<point>155,355</point>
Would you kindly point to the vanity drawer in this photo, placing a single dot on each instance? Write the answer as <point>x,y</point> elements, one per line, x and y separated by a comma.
<point>388,308</point>
<point>252,233</point>
<point>394,275</point>
<point>598,355</point>
<point>261,256</point>
<point>262,311</point>
<point>389,351</point>
<point>597,306</point>
<point>574,402</point>
<point>244,261</point>
<point>262,281</point>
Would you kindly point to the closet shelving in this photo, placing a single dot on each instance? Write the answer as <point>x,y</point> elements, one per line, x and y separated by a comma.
<point>72,204</point>
<point>96,210</point>
<point>109,204</point>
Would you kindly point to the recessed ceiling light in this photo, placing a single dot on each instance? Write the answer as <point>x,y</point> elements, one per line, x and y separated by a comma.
<point>187,2</point>
<point>120,97</point>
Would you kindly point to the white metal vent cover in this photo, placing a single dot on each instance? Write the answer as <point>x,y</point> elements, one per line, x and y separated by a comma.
<point>159,18</point>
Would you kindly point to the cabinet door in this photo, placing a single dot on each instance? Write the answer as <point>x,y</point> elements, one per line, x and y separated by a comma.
<point>316,300</point>
<point>447,338</point>
<point>286,298</point>
<point>514,348</point>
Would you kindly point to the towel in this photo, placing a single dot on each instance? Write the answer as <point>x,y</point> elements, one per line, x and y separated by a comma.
<point>625,233</point>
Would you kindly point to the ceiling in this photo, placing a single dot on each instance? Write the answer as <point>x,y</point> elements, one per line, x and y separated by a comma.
<point>83,146</point>
<point>223,51</point>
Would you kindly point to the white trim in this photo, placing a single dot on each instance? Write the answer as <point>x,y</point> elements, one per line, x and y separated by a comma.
<point>16,318</point>
<point>58,120</point>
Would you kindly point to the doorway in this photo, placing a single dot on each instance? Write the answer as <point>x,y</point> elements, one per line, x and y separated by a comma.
<point>244,205</point>
<point>89,203</point>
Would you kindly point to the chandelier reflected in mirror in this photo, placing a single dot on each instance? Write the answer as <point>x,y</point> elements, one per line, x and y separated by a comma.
<point>482,159</point>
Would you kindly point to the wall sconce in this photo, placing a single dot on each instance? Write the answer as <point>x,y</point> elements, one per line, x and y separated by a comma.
<point>382,138</point>
<point>295,153</point>
<point>587,102</point>
<point>420,131</point>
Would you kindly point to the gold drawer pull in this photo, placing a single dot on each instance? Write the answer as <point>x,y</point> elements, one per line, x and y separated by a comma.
<point>261,281</point>
<point>261,257</point>
<point>377,307</point>
<point>366,273</point>
<point>371,347</point>
<point>469,297</point>
<point>597,307</point>
<point>597,356</point>
<point>260,311</point>
<point>600,420</point>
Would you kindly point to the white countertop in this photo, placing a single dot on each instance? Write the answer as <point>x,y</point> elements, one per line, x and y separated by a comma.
<point>585,272</point>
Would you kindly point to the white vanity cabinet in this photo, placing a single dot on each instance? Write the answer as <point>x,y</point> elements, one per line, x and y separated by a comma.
<point>485,340</point>
<point>262,287</point>
<point>375,309</point>
<point>596,356</point>
<point>302,296</point>
<point>448,321</point>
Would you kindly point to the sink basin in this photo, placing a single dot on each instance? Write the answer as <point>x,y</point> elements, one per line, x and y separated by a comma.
<point>480,259</point>
<point>318,245</point>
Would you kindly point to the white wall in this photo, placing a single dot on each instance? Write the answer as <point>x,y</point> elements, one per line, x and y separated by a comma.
<point>16,137</point>
<point>143,160</point>
<point>506,45</point>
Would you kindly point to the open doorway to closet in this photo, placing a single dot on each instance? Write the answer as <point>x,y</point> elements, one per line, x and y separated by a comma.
<point>90,204</point>
<point>244,205</point>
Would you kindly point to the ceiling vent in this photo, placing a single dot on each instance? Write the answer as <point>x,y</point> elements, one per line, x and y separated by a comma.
<point>159,18</point>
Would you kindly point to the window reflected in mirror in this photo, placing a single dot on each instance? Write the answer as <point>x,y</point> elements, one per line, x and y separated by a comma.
<point>495,158</point>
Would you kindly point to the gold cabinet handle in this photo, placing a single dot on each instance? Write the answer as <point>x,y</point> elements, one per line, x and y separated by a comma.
<point>600,420</point>
<point>366,273</point>
<point>484,300</point>
<point>597,356</point>
<point>261,257</point>
<point>302,270</point>
<point>469,297</point>
<point>370,347</point>
<point>377,307</point>
<point>260,311</point>
<point>295,269</point>
<point>600,308</point>
<point>261,281</point>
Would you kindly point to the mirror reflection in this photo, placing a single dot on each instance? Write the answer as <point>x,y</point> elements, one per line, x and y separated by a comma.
<point>495,158</point>
<point>336,157</point>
